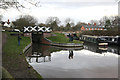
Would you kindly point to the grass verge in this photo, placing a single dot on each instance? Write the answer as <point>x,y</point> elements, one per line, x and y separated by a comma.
<point>5,73</point>
<point>14,62</point>
<point>61,38</point>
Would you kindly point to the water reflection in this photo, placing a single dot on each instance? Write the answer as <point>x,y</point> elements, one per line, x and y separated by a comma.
<point>42,53</point>
<point>95,48</point>
<point>102,49</point>
<point>39,53</point>
<point>91,62</point>
<point>70,54</point>
<point>114,49</point>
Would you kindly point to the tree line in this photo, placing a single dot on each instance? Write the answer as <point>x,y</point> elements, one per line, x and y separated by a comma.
<point>54,22</point>
<point>69,25</point>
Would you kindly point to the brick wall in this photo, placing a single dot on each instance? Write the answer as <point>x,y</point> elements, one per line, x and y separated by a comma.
<point>44,41</point>
<point>27,34</point>
<point>47,35</point>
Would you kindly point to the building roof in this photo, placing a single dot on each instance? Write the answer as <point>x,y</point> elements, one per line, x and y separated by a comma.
<point>91,26</point>
<point>7,25</point>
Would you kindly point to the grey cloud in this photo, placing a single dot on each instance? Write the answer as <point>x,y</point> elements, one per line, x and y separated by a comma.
<point>79,0</point>
<point>78,4</point>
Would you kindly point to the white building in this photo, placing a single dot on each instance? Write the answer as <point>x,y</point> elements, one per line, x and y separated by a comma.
<point>8,24</point>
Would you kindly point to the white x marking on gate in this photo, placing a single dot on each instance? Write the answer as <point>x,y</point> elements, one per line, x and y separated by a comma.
<point>26,29</point>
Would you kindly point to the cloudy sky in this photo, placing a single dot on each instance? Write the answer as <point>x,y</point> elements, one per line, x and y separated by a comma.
<point>78,10</point>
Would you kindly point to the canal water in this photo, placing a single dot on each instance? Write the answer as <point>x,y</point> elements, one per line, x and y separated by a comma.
<point>91,61</point>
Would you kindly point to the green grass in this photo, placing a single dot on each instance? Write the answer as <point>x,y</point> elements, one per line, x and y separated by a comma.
<point>12,47</point>
<point>61,38</point>
<point>6,74</point>
<point>15,63</point>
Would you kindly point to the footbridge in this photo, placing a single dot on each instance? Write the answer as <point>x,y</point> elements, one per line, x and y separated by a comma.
<point>38,33</point>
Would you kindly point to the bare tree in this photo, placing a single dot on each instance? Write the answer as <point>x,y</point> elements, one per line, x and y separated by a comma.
<point>25,21</point>
<point>5,4</point>
<point>103,20</point>
<point>68,24</point>
<point>53,22</point>
<point>116,21</point>
<point>94,22</point>
<point>52,19</point>
<point>1,17</point>
<point>68,20</point>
